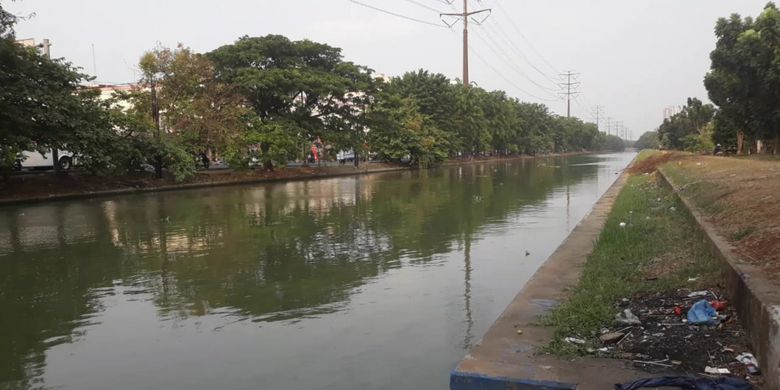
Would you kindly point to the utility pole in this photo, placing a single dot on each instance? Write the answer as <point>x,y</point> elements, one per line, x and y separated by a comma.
<point>609,125</point>
<point>55,153</point>
<point>569,93</point>
<point>597,111</point>
<point>465,16</point>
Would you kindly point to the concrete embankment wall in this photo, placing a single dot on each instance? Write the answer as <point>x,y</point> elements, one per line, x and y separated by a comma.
<point>259,180</point>
<point>755,297</point>
<point>504,359</point>
<point>190,186</point>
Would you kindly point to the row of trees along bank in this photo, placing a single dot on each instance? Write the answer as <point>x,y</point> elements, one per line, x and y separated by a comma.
<point>264,99</point>
<point>744,85</point>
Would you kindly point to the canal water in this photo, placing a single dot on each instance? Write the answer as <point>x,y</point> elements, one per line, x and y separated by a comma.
<point>381,281</point>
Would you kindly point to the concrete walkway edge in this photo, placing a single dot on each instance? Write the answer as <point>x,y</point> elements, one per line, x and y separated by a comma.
<point>259,180</point>
<point>756,298</point>
<point>189,186</point>
<point>504,359</point>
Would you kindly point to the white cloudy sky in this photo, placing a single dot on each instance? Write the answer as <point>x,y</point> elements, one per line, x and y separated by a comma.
<point>634,57</point>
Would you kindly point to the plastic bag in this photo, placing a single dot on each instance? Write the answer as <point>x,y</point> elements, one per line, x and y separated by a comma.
<point>702,313</point>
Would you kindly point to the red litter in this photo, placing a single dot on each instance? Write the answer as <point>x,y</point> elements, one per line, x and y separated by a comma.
<point>719,305</point>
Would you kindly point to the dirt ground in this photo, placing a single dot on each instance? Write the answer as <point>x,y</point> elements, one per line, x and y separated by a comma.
<point>42,185</point>
<point>741,197</point>
<point>665,341</point>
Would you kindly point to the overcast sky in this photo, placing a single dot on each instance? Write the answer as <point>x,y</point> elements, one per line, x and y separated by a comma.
<point>633,57</point>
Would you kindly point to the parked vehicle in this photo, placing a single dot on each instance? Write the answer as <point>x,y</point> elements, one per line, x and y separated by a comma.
<point>37,160</point>
<point>345,156</point>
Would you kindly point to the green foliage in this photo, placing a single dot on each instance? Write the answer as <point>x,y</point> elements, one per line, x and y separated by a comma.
<point>648,140</point>
<point>42,104</point>
<point>700,142</point>
<point>178,160</point>
<point>688,127</point>
<point>478,122</point>
<point>303,84</point>
<point>267,143</point>
<point>744,80</point>
<point>400,131</point>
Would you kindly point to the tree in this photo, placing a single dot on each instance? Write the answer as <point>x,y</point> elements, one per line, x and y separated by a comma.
<point>187,112</point>
<point>692,122</point>
<point>400,131</point>
<point>42,103</point>
<point>744,81</point>
<point>648,140</point>
<point>304,85</point>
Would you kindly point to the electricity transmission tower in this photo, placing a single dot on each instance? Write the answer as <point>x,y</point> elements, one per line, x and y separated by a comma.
<point>597,112</point>
<point>465,15</point>
<point>568,87</point>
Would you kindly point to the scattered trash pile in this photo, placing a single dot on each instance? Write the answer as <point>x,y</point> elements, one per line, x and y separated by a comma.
<point>695,332</point>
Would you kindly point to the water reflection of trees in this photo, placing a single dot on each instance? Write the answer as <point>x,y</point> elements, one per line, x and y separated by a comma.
<point>266,252</point>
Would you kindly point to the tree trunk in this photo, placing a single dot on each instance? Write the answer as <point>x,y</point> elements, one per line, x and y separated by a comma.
<point>740,142</point>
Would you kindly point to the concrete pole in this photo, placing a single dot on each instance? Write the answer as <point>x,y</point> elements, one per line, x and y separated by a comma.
<point>466,43</point>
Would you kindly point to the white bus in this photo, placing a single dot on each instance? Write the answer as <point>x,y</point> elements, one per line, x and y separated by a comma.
<point>37,160</point>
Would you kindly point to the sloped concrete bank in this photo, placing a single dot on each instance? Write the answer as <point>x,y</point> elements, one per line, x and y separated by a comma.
<point>83,194</point>
<point>504,359</point>
<point>756,298</point>
<point>189,186</point>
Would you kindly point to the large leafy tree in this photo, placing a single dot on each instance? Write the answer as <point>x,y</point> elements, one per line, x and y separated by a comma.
<point>400,131</point>
<point>198,115</point>
<point>302,89</point>
<point>682,129</point>
<point>42,103</point>
<point>434,94</point>
<point>202,113</point>
<point>648,140</point>
<point>744,80</point>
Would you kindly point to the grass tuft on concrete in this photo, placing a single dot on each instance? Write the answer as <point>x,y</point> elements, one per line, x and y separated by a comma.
<point>658,249</point>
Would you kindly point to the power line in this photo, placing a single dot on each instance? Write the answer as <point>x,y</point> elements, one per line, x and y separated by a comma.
<point>517,49</point>
<point>511,65</point>
<point>415,2</point>
<point>395,14</point>
<point>520,53</point>
<point>504,56</point>
<point>481,58</point>
<point>519,32</point>
<point>508,80</point>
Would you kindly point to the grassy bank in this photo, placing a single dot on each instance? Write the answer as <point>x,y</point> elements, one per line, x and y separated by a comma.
<point>739,197</point>
<point>649,244</point>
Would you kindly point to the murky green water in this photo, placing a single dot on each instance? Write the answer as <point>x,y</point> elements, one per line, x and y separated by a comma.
<point>380,281</point>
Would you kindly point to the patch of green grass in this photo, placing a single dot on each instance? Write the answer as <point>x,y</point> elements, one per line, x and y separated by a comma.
<point>742,233</point>
<point>704,194</point>
<point>659,238</point>
<point>647,153</point>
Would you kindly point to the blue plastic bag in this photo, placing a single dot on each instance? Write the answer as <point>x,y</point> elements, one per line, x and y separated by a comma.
<point>702,313</point>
